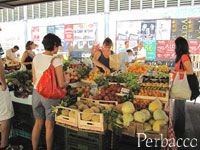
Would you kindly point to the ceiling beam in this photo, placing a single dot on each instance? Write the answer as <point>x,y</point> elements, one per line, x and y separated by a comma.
<point>6,6</point>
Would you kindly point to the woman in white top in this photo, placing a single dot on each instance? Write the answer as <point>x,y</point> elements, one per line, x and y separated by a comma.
<point>42,108</point>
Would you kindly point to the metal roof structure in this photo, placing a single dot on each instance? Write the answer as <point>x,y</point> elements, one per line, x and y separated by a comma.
<point>15,3</point>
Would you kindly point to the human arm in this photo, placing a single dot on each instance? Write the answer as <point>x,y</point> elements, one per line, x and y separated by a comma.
<point>24,56</point>
<point>60,77</point>
<point>99,64</point>
<point>7,57</point>
<point>33,73</point>
<point>2,76</point>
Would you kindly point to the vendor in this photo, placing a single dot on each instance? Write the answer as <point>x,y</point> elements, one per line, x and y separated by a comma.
<point>28,55</point>
<point>131,56</point>
<point>141,55</point>
<point>11,53</point>
<point>101,57</point>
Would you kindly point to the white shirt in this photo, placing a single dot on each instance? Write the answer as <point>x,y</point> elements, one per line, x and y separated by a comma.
<point>141,53</point>
<point>124,59</point>
<point>41,63</point>
<point>11,54</point>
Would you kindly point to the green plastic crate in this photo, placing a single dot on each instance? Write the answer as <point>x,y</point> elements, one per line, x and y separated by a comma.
<point>76,140</point>
<point>21,133</point>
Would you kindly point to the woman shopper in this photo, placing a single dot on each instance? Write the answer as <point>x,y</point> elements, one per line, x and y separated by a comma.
<point>183,64</point>
<point>42,108</point>
<point>101,57</point>
<point>28,55</point>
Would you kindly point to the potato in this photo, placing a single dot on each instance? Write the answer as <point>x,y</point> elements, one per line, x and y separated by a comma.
<point>96,118</point>
<point>73,107</point>
<point>79,103</point>
<point>96,109</point>
<point>86,115</point>
<point>72,114</point>
<point>90,104</point>
<point>65,112</point>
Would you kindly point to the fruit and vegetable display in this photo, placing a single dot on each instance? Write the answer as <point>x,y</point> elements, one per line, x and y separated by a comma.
<point>152,116</point>
<point>73,75</point>
<point>21,83</point>
<point>108,93</point>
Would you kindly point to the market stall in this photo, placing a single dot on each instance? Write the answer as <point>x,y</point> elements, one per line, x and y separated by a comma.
<point>133,103</point>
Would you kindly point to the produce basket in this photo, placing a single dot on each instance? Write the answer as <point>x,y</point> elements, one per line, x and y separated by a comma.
<point>104,103</point>
<point>151,134</point>
<point>98,126</point>
<point>66,116</point>
<point>162,99</point>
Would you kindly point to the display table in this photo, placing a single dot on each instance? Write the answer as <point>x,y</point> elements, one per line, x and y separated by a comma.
<point>26,101</point>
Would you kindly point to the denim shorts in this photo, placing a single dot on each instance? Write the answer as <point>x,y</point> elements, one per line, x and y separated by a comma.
<point>42,107</point>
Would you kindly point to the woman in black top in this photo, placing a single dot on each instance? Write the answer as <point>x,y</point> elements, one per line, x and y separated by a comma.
<point>101,57</point>
<point>28,55</point>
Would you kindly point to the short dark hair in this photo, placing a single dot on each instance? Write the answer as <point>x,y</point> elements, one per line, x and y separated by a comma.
<point>50,40</point>
<point>28,45</point>
<point>126,42</point>
<point>108,42</point>
<point>16,47</point>
<point>129,50</point>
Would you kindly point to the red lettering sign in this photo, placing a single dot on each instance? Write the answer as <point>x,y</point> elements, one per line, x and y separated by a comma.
<point>165,49</point>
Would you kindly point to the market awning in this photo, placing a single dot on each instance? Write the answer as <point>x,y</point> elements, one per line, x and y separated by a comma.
<point>15,3</point>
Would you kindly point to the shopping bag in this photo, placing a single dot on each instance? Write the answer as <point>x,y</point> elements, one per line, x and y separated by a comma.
<point>48,86</point>
<point>114,62</point>
<point>180,88</point>
<point>193,83</point>
<point>22,68</point>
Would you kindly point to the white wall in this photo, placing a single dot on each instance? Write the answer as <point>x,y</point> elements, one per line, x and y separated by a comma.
<point>11,34</point>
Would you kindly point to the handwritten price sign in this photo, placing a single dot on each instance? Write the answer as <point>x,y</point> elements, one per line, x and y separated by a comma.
<point>150,47</point>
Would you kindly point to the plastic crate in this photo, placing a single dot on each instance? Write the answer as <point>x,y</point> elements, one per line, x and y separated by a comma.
<point>21,133</point>
<point>86,141</point>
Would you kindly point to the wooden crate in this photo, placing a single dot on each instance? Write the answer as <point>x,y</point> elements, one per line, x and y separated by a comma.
<point>98,102</point>
<point>151,134</point>
<point>91,125</point>
<point>66,119</point>
<point>130,130</point>
<point>162,99</point>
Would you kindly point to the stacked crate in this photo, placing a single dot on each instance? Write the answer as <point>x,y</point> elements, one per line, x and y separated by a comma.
<point>76,140</point>
<point>196,64</point>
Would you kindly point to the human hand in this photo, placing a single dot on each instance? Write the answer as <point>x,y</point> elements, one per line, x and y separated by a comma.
<point>67,78</point>
<point>3,86</point>
<point>106,70</point>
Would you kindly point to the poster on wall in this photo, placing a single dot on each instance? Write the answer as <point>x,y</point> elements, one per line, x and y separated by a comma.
<point>179,28</point>
<point>150,47</point>
<point>59,31</point>
<point>68,33</point>
<point>194,29</point>
<point>194,47</point>
<point>84,37</point>
<point>51,29</point>
<point>127,31</point>
<point>148,30</point>
<point>165,49</point>
<point>36,34</point>
<point>163,29</point>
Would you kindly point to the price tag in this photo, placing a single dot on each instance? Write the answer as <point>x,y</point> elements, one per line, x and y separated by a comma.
<point>125,91</point>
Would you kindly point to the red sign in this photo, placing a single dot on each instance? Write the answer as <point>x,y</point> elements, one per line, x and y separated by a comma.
<point>68,33</point>
<point>194,47</point>
<point>35,34</point>
<point>165,49</point>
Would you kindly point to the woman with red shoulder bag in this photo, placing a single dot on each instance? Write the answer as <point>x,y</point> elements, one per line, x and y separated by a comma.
<point>41,104</point>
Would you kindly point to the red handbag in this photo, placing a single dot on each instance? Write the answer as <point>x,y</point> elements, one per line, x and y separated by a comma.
<point>48,86</point>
